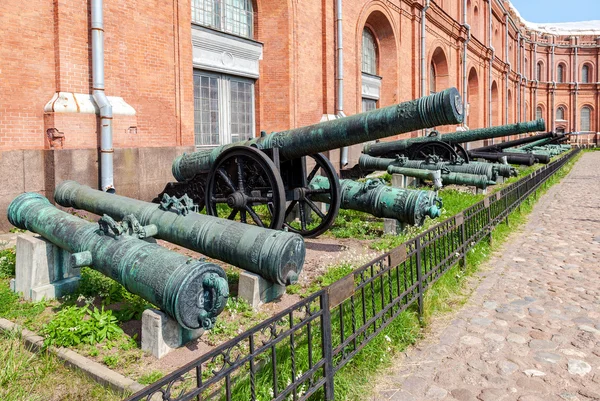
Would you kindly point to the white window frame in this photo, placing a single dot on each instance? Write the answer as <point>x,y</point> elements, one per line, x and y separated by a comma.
<point>589,119</point>
<point>224,88</point>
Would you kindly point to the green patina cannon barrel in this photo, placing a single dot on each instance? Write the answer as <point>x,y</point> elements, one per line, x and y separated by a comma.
<point>540,156</point>
<point>532,145</point>
<point>427,175</point>
<point>191,291</point>
<point>277,256</point>
<point>370,163</point>
<point>380,200</point>
<point>498,147</point>
<point>442,108</point>
<point>396,147</point>
<point>512,158</point>
<point>448,178</point>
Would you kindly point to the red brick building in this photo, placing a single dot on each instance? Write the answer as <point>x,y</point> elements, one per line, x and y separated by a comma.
<point>187,73</point>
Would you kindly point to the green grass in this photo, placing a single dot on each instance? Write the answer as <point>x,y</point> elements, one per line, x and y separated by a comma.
<point>28,376</point>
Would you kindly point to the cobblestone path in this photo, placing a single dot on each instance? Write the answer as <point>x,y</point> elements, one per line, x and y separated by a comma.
<point>531,330</point>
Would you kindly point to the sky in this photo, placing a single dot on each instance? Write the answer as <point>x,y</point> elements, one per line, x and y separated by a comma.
<point>558,10</point>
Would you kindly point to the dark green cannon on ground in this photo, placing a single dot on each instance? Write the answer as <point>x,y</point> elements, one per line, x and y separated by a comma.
<point>262,180</point>
<point>277,256</point>
<point>375,197</point>
<point>191,291</point>
<point>447,147</point>
<point>492,171</point>
<point>449,177</point>
<point>523,159</point>
<point>500,147</point>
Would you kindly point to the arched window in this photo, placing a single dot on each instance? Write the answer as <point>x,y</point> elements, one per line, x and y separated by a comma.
<point>560,73</point>
<point>539,75</point>
<point>432,79</point>
<point>231,16</point>
<point>560,113</point>
<point>369,53</point>
<point>539,113</point>
<point>585,74</point>
<point>526,72</point>
<point>586,112</point>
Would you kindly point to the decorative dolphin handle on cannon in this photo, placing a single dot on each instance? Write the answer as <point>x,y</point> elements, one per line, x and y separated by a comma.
<point>275,255</point>
<point>262,180</point>
<point>191,291</point>
<point>448,146</point>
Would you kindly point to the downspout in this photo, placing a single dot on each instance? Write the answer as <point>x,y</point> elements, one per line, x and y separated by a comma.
<point>468,28</point>
<point>339,78</point>
<point>576,79</point>
<point>536,83</point>
<point>105,109</point>
<point>490,33</point>
<point>519,76</point>
<point>423,33</point>
<point>553,87</point>
<point>509,66</point>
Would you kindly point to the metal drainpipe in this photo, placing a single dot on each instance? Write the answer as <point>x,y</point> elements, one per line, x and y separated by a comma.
<point>576,79</point>
<point>553,88</point>
<point>519,76</point>
<point>490,33</point>
<point>465,83</point>
<point>106,134</point>
<point>423,44</point>
<point>508,72</point>
<point>339,79</point>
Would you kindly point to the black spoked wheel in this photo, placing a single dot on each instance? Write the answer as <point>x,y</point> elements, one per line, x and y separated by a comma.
<point>312,220</point>
<point>440,149</point>
<point>462,153</point>
<point>244,185</point>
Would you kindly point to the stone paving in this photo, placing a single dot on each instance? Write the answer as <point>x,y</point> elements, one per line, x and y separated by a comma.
<point>531,330</point>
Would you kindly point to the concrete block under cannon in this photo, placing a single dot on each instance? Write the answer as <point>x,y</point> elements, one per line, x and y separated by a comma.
<point>273,172</point>
<point>375,197</point>
<point>448,146</point>
<point>193,292</point>
<point>277,256</point>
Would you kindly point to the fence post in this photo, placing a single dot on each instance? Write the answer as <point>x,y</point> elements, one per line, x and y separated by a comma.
<point>460,220</point>
<point>327,346</point>
<point>419,277</point>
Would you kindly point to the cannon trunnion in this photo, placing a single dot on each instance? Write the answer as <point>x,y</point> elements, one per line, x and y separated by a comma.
<point>266,180</point>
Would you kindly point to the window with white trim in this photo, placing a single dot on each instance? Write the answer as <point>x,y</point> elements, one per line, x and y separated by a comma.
<point>223,108</point>
<point>560,113</point>
<point>539,71</point>
<point>539,112</point>
<point>369,53</point>
<point>368,104</point>
<point>231,16</point>
<point>586,113</point>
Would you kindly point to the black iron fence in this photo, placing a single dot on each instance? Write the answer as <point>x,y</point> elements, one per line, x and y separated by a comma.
<point>295,354</point>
